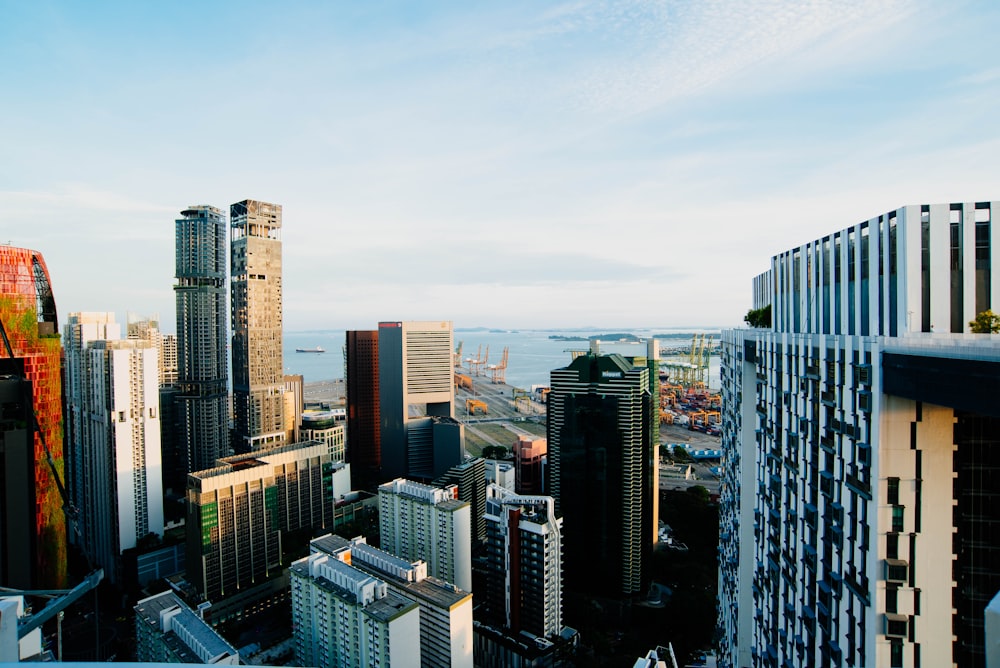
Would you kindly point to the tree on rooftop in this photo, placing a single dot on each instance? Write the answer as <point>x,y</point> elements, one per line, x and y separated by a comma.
<point>758,317</point>
<point>986,322</point>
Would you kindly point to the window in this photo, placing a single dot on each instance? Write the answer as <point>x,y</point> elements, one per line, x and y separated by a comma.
<point>957,274</point>
<point>896,626</point>
<point>892,491</point>
<point>925,269</point>
<point>897,518</point>
<point>896,571</point>
<point>892,546</point>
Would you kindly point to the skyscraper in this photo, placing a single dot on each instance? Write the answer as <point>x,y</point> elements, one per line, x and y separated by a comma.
<point>364,451</point>
<point>115,445</point>
<point>258,378</point>
<point>524,552</point>
<point>202,376</point>
<point>600,413</point>
<point>28,313</point>
<point>416,376</point>
<point>859,503</point>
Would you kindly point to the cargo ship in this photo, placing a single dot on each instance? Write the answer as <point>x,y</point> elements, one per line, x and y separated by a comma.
<point>317,349</point>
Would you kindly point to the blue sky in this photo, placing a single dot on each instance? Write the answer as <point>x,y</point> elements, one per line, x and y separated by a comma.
<point>509,164</point>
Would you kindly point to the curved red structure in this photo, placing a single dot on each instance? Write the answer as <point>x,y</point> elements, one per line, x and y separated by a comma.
<point>28,311</point>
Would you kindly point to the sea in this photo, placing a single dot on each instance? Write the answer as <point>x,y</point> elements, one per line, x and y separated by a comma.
<point>532,353</point>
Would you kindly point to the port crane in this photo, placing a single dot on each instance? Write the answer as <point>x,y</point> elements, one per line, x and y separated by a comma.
<point>498,372</point>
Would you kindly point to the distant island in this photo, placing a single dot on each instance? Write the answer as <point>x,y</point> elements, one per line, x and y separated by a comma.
<point>620,337</point>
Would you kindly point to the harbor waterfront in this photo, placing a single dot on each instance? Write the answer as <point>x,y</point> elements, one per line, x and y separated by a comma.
<point>532,353</point>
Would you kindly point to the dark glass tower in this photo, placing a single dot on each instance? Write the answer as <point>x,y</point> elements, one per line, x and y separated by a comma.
<point>600,414</point>
<point>201,336</point>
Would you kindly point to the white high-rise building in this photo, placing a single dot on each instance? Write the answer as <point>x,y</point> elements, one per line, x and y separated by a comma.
<point>445,610</point>
<point>114,437</point>
<point>422,522</point>
<point>342,616</point>
<point>860,437</point>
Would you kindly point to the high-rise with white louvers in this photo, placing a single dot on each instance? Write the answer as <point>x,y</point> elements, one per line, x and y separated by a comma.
<point>202,370</point>
<point>861,449</point>
<point>419,436</point>
<point>258,377</point>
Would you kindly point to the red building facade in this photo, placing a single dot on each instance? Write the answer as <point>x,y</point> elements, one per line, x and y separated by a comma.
<point>28,312</point>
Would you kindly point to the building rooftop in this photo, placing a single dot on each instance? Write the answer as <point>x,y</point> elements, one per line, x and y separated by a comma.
<point>432,590</point>
<point>389,607</point>
<point>167,607</point>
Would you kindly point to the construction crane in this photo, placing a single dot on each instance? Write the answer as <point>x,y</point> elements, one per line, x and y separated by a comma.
<point>498,372</point>
<point>66,597</point>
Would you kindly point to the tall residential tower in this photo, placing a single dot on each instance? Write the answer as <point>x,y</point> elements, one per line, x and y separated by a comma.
<point>202,376</point>
<point>258,379</point>
<point>861,449</point>
<point>114,442</point>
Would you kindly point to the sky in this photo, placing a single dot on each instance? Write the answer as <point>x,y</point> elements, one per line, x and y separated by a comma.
<point>506,164</point>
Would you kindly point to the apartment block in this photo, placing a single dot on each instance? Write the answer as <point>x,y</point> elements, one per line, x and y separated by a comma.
<point>113,438</point>
<point>343,616</point>
<point>168,631</point>
<point>525,555</point>
<point>445,609</point>
<point>859,502</point>
<point>418,521</point>
<point>256,306</point>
